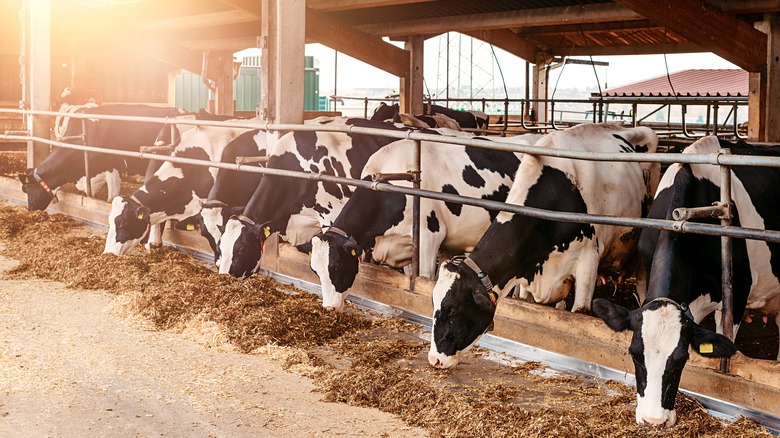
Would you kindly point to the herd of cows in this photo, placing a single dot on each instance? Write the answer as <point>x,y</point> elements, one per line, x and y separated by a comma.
<point>678,275</point>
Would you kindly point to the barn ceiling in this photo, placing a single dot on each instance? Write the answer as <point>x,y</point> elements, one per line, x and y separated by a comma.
<point>179,31</point>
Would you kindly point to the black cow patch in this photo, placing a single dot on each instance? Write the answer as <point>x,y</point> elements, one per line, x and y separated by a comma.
<point>306,144</point>
<point>454,207</point>
<point>472,177</point>
<point>499,195</point>
<point>502,162</point>
<point>433,222</point>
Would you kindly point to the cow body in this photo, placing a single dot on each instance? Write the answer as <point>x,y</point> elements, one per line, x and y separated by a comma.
<point>544,258</point>
<point>64,166</point>
<point>685,274</point>
<point>173,192</point>
<point>432,119</point>
<point>298,208</point>
<point>382,222</point>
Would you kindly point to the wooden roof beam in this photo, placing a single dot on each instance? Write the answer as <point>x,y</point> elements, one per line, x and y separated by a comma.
<point>594,13</point>
<point>196,21</point>
<point>507,40</point>
<point>367,48</point>
<point>344,5</point>
<point>725,35</point>
<point>648,49</point>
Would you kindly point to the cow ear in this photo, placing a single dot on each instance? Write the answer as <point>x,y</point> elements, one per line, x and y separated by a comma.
<point>142,213</point>
<point>710,344</point>
<point>188,224</point>
<point>616,317</point>
<point>264,231</point>
<point>234,211</point>
<point>352,248</point>
<point>305,247</point>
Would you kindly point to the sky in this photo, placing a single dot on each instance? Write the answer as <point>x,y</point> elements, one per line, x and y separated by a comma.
<point>353,74</point>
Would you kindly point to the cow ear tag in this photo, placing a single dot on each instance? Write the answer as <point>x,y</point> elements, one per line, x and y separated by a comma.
<point>26,180</point>
<point>267,232</point>
<point>705,348</point>
<point>140,216</point>
<point>354,254</point>
<point>309,253</point>
<point>190,227</point>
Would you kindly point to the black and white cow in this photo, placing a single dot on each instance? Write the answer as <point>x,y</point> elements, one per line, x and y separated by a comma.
<point>232,189</point>
<point>64,166</point>
<point>685,274</point>
<point>432,118</point>
<point>382,222</point>
<point>544,258</point>
<point>298,208</point>
<point>174,192</point>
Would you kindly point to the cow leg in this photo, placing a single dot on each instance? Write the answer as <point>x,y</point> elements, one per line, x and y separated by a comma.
<point>155,236</point>
<point>585,278</point>
<point>113,184</point>
<point>429,248</point>
<point>641,283</point>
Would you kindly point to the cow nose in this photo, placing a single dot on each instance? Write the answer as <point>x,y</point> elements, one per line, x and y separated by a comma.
<point>331,308</point>
<point>654,421</point>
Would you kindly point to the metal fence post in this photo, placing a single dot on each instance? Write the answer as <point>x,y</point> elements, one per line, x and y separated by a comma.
<point>365,107</point>
<point>725,255</point>
<point>416,217</point>
<point>87,179</point>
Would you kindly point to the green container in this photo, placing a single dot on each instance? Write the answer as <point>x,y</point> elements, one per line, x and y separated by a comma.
<point>192,94</point>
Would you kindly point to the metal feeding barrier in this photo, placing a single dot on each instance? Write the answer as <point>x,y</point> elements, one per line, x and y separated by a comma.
<point>681,224</point>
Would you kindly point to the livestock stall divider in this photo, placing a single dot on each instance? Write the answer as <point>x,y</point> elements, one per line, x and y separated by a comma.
<point>514,319</point>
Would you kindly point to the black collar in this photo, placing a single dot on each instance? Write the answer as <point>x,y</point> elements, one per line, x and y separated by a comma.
<point>483,277</point>
<point>686,311</point>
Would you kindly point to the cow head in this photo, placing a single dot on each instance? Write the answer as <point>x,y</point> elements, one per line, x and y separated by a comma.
<point>462,311</point>
<point>39,194</point>
<point>241,247</point>
<point>663,330</point>
<point>335,259</point>
<point>385,112</point>
<point>212,219</point>
<point>128,225</point>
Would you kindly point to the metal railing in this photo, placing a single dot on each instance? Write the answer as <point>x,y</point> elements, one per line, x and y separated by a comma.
<point>633,110</point>
<point>722,158</point>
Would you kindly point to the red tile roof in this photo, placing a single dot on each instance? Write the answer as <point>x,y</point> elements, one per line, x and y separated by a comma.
<point>688,83</point>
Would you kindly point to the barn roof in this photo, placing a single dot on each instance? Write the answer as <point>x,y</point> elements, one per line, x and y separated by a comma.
<point>731,82</point>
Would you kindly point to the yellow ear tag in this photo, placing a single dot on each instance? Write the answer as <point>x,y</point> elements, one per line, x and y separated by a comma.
<point>190,227</point>
<point>354,254</point>
<point>26,180</point>
<point>141,216</point>
<point>309,253</point>
<point>267,232</point>
<point>705,348</point>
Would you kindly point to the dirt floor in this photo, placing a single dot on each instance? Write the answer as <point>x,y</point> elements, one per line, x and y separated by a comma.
<point>70,366</point>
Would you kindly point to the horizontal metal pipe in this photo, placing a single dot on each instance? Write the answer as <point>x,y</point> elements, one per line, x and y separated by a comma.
<point>251,160</point>
<point>385,177</point>
<point>684,214</point>
<point>656,224</point>
<point>715,158</point>
<point>155,149</point>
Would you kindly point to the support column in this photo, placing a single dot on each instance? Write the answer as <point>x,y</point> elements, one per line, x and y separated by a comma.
<point>282,66</point>
<point>37,81</point>
<point>219,75</point>
<point>764,105</point>
<point>541,75</point>
<point>411,94</point>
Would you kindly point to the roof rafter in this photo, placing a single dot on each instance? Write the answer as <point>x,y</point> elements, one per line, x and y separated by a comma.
<point>500,20</point>
<point>723,34</point>
<point>507,40</point>
<point>343,5</point>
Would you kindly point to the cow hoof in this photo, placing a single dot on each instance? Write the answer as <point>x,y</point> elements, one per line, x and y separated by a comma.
<point>582,310</point>
<point>153,246</point>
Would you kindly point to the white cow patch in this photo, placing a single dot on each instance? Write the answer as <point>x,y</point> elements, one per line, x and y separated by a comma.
<point>227,243</point>
<point>320,255</point>
<point>112,245</point>
<point>212,219</point>
<point>661,329</point>
<point>443,285</point>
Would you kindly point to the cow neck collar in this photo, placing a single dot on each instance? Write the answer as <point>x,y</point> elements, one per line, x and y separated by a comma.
<point>42,183</point>
<point>483,276</point>
<point>342,233</point>
<point>213,203</point>
<point>686,311</point>
<point>136,200</point>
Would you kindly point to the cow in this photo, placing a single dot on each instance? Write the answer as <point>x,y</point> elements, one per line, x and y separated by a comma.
<point>433,117</point>
<point>64,166</point>
<point>231,190</point>
<point>298,208</point>
<point>544,258</point>
<point>381,222</point>
<point>684,282</point>
<point>174,192</point>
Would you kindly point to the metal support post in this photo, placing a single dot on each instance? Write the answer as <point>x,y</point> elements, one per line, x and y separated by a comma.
<point>727,274</point>
<point>365,107</point>
<point>715,119</point>
<point>416,218</point>
<point>87,179</point>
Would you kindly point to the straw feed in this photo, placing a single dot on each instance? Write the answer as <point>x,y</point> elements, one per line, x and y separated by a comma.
<point>356,358</point>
